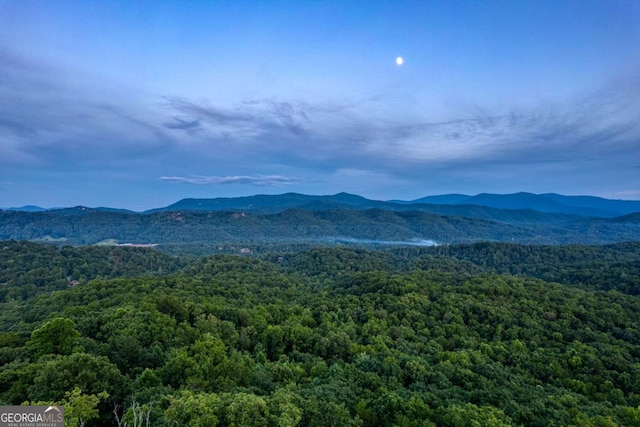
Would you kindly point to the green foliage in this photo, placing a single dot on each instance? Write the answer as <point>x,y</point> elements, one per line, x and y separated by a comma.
<point>80,408</point>
<point>193,231</point>
<point>611,267</point>
<point>27,269</point>
<point>57,336</point>
<point>470,415</point>
<point>92,374</point>
<point>246,410</point>
<point>196,410</point>
<point>337,337</point>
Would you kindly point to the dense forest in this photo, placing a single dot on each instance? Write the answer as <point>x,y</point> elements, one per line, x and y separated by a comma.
<point>489,334</point>
<point>187,231</point>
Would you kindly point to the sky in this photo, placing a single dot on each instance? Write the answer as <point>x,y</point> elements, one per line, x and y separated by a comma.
<point>139,104</point>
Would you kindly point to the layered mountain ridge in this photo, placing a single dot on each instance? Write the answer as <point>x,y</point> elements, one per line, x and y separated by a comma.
<point>343,218</point>
<point>546,203</point>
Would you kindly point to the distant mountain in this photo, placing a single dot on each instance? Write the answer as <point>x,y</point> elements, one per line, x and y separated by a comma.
<point>27,208</point>
<point>338,219</point>
<point>509,208</point>
<point>615,207</point>
<point>77,210</point>
<point>550,202</point>
<point>328,226</point>
<point>510,216</point>
<point>279,203</point>
<point>271,203</point>
<point>444,199</point>
<point>633,218</point>
<point>114,210</point>
<point>83,210</point>
<point>517,201</point>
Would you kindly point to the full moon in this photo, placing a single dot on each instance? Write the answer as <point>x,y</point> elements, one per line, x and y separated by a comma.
<point>399,60</point>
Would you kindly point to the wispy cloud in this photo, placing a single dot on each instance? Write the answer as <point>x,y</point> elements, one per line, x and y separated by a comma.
<point>251,118</point>
<point>599,127</point>
<point>46,121</point>
<point>261,181</point>
<point>179,123</point>
<point>593,127</point>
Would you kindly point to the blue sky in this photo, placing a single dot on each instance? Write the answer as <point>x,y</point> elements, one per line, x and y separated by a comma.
<point>139,104</point>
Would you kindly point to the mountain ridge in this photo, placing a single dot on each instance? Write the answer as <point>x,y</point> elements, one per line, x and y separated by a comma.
<point>546,202</point>
<point>303,226</point>
<point>482,205</point>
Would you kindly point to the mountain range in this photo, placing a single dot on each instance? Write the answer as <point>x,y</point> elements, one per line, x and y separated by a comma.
<point>544,203</point>
<point>550,202</point>
<point>338,219</point>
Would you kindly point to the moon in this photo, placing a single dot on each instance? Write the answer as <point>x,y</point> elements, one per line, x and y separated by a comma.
<point>399,60</point>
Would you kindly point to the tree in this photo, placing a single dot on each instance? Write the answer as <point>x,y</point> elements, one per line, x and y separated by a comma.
<point>470,415</point>
<point>283,410</point>
<point>80,408</point>
<point>194,410</point>
<point>89,373</point>
<point>57,336</point>
<point>246,410</point>
<point>136,415</point>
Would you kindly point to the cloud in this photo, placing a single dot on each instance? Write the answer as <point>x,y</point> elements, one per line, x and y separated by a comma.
<point>49,120</point>
<point>247,118</point>
<point>261,181</point>
<point>599,126</point>
<point>179,123</point>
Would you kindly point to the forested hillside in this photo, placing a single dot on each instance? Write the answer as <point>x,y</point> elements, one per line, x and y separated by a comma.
<point>28,268</point>
<point>202,232</point>
<point>610,267</point>
<point>550,203</point>
<point>444,336</point>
